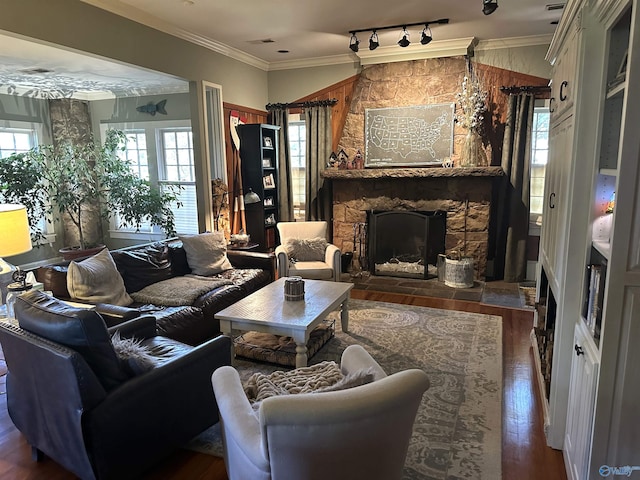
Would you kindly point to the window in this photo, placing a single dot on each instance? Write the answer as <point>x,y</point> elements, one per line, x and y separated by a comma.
<point>297,151</point>
<point>162,152</point>
<point>539,155</point>
<point>16,140</point>
<point>178,169</point>
<point>20,137</point>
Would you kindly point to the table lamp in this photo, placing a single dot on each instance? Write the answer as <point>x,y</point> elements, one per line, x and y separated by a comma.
<point>15,237</point>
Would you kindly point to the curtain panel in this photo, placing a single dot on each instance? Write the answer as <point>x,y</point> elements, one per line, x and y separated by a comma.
<point>280,118</point>
<point>319,145</point>
<point>513,215</point>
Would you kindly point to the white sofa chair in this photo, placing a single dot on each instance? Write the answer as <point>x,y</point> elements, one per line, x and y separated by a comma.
<point>361,432</point>
<point>328,268</point>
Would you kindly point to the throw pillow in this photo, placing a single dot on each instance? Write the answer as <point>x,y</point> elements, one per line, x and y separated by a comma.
<point>206,253</point>
<point>96,280</point>
<point>133,353</point>
<point>306,249</point>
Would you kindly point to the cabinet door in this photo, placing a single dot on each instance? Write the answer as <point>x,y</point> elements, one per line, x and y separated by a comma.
<point>554,222</point>
<point>582,390</point>
<point>564,75</point>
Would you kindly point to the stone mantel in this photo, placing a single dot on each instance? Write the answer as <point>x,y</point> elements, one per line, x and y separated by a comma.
<point>390,173</point>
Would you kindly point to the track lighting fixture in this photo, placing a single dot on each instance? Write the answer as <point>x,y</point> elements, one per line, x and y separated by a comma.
<point>404,38</point>
<point>354,42</point>
<point>373,41</point>
<point>489,6</point>
<point>425,38</point>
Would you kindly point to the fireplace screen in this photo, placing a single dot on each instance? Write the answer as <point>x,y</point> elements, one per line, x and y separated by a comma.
<point>406,243</point>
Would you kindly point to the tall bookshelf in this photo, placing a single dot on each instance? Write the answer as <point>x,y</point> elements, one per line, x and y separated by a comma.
<point>259,157</point>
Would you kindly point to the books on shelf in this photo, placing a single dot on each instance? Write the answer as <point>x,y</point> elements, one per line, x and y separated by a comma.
<point>595,298</point>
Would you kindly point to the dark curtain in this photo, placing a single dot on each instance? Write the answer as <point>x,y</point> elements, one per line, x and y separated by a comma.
<point>319,143</point>
<point>513,212</point>
<point>280,117</point>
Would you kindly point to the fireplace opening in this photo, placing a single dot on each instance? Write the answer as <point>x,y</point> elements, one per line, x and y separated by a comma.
<point>406,243</point>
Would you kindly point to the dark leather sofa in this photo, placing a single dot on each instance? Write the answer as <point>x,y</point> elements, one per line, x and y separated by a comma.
<point>143,265</point>
<point>76,400</point>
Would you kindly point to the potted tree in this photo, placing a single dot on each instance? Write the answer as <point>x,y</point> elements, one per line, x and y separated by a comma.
<point>21,182</point>
<point>86,184</point>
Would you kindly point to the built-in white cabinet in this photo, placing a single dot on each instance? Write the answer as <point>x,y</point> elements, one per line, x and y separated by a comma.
<point>582,391</point>
<point>590,252</point>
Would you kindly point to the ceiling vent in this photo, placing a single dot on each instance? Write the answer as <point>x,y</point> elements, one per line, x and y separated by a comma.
<point>554,6</point>
<point>264,40</point>
<point>35,71</point>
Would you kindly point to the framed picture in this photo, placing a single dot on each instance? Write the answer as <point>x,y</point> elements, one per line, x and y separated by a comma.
<point>268,182</point>
<point>270,220</point>
<point>268,201</point>
<point>411,136</point>
<point>267,142</point>
<point>266,163</point>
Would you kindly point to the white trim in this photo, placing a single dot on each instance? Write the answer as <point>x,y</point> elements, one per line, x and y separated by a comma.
<point>313,62</point>
<point>513,42</point>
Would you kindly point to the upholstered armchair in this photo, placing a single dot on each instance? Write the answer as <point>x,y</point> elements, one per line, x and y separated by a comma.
<point>304,251</point>
<point>361,432</point>
<point>97,414</point>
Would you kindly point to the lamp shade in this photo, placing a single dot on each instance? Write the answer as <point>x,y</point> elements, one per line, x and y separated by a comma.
<point>15,237</point>
<point>251,197</point>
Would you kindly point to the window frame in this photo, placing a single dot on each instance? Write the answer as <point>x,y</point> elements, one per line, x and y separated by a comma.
<point>36,133</point>
<point>155,164</point>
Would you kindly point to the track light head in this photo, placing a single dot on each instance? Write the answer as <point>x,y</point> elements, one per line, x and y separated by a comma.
<point>373,41</point>
<point>354,42</point>
<point>426,36</point>
<point>489,6</point>
<point>404,40</point>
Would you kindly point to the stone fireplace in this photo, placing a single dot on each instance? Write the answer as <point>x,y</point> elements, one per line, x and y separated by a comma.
<point>463,193</point>
<point>405,243</point>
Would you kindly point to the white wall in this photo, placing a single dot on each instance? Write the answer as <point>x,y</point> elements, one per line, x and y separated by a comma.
<point>528,60</point>
<point>82,27</point>
<point>291,85</point>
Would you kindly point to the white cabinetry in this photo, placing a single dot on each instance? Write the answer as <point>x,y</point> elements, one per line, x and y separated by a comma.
<point>557,243</point>
<point>599,390</point>
<point>582,390</point>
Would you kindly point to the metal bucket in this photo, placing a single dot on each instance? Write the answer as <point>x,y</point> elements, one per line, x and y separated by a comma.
<point>459,273</point>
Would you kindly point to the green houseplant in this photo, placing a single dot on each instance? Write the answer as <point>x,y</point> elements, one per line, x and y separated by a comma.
<point>87,184</point>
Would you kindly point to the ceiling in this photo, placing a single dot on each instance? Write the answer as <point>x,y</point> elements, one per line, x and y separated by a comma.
<point>254,31</point>
<point>316,29</point>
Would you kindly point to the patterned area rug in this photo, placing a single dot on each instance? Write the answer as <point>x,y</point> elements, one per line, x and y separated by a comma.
<point>458,429</point>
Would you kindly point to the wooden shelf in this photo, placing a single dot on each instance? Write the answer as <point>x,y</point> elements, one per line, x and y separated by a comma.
<point>611,172</point>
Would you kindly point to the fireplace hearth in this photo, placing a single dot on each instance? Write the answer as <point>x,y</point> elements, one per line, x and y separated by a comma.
<point>406,243</point>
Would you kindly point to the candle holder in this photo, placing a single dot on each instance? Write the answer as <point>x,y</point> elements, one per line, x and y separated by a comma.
<point>294,289</point>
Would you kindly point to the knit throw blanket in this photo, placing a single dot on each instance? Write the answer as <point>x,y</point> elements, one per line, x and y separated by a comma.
<point>322,377</point>
<point>178,291</point>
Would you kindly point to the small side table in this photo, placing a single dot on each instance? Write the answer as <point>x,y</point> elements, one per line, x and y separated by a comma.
<point>248,246</point>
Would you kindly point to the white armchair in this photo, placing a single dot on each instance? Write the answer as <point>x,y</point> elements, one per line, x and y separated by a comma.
<point>327,268</point>
<point>361,432</point>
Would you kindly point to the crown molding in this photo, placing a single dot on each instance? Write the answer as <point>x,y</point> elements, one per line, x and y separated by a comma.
<point>138,16</point>
<point>314,62</point>
<point>514,42</point>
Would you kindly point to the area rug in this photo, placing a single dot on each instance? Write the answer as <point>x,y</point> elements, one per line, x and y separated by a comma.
<point>457,432</point>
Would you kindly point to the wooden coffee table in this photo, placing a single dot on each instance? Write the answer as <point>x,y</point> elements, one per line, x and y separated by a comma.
<point>267,311</point>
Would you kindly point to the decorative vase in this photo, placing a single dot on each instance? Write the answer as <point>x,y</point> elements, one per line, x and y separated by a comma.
<point>473,154</point>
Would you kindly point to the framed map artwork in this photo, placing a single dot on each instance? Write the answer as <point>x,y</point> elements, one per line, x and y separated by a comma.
<point>408,136</point>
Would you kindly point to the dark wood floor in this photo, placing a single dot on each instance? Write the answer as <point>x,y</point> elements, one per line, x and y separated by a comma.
<point>524,453</point>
